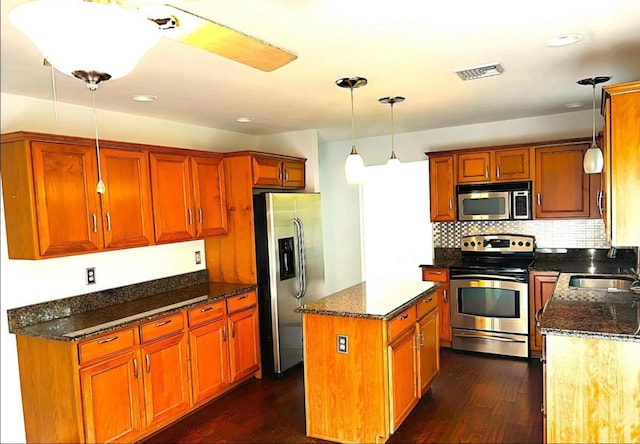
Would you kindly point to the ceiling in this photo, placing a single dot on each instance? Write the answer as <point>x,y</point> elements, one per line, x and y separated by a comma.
<point>404,48</point>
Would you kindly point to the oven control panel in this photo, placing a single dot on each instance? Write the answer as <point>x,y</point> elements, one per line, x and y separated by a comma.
<point>519,243</point>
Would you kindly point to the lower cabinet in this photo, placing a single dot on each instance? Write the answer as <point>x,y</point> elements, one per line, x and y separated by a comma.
<point>441,275</point>
<point>541,285</point>
<point>128,383</point>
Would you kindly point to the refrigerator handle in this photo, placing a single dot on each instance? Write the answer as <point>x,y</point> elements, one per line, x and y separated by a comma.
<point>302,275</point>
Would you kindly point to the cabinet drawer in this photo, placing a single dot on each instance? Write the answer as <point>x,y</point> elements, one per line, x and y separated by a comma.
<point>435,274</point>
<point>427,304</point>
<point>161,327</point>
<point>205,313</point>
<point>105,345</point>
<point>241,301</point>
<point>403,321</point>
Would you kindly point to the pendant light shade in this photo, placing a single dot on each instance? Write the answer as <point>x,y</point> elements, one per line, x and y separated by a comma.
<point>91,41</point>
<point>593,159</point>
<point>393,161</point>
<point>354,165</point>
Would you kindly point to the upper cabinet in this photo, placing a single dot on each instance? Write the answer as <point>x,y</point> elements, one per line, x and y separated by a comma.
<point>497,165</point>
<point>52,208</point>
<point>275,171</point>
<point>622,163</point>
<point>442,188</point>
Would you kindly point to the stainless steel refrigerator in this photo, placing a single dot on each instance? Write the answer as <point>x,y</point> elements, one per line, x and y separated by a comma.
<point>290,266</point>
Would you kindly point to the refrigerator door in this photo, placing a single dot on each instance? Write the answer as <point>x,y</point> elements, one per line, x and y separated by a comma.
<point>295,271</point>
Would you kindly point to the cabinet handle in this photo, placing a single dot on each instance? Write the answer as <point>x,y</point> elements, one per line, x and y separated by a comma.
<point>498,171</point>
<point>538,199</point>
<point>542,409</point>
<point>224,334</point>
<point>104,341</point>
<point>148,362</point>
<point>286,175</point>
<point>280,174</point>
<point>450,204</point>
<point>243,297</point>
<point>135,368</point>
<point>108,221</point>
<point>160,324</point>
<point>421,339</point>
<point>436,272</point>
<point>428,300</point>
<point>404,316</point>
<point>200,214</point>
<point>600,197</point>
<point>204,310</point>
<point>537,317</point>
<point>444,295</point>
<point>95,222</point>
<point>190,216</point>
<point>233,330</point>
<point>486,172</point>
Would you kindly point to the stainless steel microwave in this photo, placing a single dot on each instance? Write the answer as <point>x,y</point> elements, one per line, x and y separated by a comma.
<point>494,201</point>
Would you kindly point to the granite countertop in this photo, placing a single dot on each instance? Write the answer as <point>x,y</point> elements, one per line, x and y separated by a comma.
<point>81,325</point>
<point>591,314</point>
<point>372,299</point>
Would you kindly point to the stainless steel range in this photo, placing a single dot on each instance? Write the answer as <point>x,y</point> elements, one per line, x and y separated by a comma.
<point>490,294</point>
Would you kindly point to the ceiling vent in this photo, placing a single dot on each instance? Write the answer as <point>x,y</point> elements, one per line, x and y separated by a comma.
<point>478,72</point>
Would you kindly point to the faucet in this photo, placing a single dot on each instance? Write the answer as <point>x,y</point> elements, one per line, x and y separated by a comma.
<point>612,252</point>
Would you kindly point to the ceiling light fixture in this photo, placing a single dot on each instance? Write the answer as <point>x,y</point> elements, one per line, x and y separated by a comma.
<point>593,159</point>
<point>393,161</point>
<point>354,165</point>
<point>245,119</point>
<point>564,40</point>
<point>91,41</point>
<point>143,98</point>
<point>481,71</point>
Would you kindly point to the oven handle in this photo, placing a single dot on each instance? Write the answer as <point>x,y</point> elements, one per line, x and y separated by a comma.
<point>478,277</point>
<point>489,338</point>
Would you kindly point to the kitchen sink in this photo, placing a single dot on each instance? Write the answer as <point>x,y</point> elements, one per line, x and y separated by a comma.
<point>601,283</point>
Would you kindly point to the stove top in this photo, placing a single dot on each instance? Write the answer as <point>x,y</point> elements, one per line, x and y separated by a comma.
<point>486,253</point>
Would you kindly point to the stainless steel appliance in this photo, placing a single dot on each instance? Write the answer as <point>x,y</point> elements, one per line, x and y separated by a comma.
<point>490,294</point>
<point>290,266</point>
<point>494,201</point>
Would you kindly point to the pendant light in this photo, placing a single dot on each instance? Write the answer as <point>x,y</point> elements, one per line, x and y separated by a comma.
<point>393,161</point>
<point>593,159</point>
<point>91,41</point>
<point>354,165</point>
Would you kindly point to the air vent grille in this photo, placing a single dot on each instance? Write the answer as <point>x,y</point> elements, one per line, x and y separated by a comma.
<point>478,72</point>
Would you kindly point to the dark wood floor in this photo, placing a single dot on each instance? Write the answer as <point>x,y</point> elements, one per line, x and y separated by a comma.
<point>477,398</point>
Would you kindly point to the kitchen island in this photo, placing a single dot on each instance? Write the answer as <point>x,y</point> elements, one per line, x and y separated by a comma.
<point>591,361</point>
<point>370,352</point>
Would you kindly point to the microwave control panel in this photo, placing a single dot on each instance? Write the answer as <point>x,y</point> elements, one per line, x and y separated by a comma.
<point>498,243</point>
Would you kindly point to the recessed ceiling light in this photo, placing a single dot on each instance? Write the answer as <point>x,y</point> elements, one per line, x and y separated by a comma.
<point>143,98</point>
<point>574,105</point>
<point>564,40</point>
<point>245,119</point>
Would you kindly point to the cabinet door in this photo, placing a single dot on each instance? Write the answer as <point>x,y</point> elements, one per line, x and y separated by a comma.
<point>512,164</point>
<point>444,306</point>
<point>209,196</point>
<point>111,399</point>
<point>165,379</point>
<point>209,360</point>
<point>293,174</point>
<point>67,205</point>
<point>562,186</point>
<point>267,172</point>
<point>244,343</point>
<point>172,201</point>
<point>541,286</point>
<point>429,346</point>
<point>403,393</point>
<point>474,167</point>
<point>441,186</point>
<point>126,203</point>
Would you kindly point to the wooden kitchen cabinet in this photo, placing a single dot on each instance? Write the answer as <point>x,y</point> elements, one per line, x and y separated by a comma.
<point>622,163</point>
<point>442,188</point>
<point>209,194</point>
<point>498,165</point>
<point>244,335</point>
<point>403,370</point>
<point>441,275</point>
<point>276,171</point>
<point>561,187</point>
<point>541,285</point>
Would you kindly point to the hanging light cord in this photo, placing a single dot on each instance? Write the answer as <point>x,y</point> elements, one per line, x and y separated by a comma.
<point>593,140</point>
<point>393,144</point>
<point>100,185</point>
<point>53,87</point>
<point>353,126</point>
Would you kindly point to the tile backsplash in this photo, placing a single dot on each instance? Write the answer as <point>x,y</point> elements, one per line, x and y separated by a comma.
<point>578,233</point>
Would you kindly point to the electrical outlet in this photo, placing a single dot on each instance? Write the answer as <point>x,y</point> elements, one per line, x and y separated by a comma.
<point>343,344</point>
<point>91,275</point>
<point>198,257</point>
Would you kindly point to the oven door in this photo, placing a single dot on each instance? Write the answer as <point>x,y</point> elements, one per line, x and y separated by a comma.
<point>490,303</point>
<point>489,205</point>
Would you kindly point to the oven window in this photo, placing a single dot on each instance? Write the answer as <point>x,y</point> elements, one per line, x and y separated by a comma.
<point>489,302</point>
<point>484,206</point>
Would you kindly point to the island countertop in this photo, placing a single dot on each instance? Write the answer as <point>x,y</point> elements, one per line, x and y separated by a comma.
<point>373,299</point>
<point>591,314</point>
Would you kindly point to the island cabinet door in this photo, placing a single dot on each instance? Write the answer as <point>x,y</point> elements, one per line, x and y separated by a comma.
<point>403,390</point>
<point>111,393</point>
<point>429,350</point>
